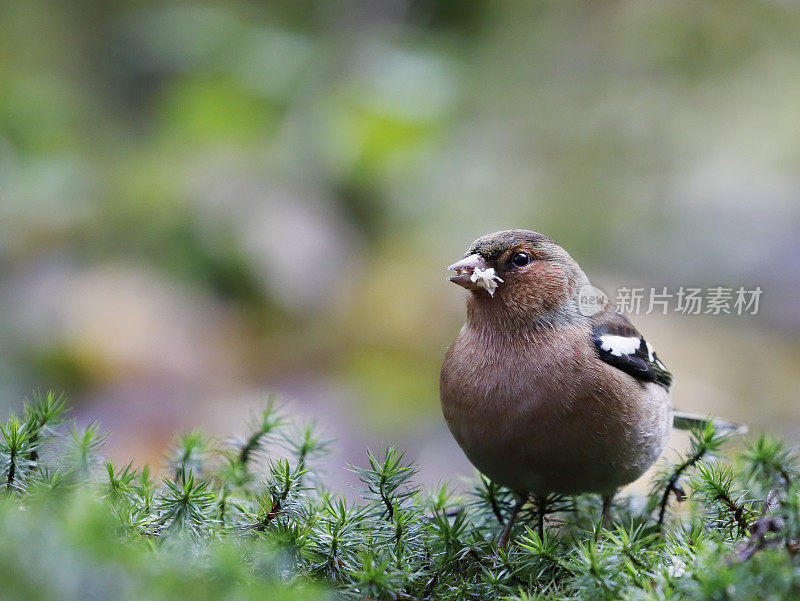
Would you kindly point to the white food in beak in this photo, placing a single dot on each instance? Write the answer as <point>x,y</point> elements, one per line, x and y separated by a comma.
<point>486,279</point>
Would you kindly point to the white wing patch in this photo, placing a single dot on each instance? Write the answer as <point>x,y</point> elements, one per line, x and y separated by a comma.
<point>619,345</point>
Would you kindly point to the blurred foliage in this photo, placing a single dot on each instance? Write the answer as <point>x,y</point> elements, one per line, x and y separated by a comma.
<point>251,519</point>
<point>280,185</point>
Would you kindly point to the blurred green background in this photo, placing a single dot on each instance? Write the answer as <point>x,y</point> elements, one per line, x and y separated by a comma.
<point>202,203</point>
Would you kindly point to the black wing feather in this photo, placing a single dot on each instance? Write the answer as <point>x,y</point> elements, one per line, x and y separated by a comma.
<point>643,363</point>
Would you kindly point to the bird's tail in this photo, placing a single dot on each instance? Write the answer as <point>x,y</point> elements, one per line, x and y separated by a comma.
<point>687,420</point>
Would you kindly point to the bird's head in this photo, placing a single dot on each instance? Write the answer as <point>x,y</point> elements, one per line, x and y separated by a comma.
<point>518,274</point>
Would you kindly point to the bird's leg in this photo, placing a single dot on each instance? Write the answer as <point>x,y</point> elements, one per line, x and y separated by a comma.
<point>541,503</point>
<point>607,500</point>
<point>503,542</point>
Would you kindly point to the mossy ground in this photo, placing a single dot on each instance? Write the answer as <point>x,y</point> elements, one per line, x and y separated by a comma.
<point>251,519</point>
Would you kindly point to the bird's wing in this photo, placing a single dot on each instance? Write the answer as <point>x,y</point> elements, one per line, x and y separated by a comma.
<point>620,344</point>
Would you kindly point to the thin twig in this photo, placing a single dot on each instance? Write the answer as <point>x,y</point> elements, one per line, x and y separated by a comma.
<point>386,501</point>
<point>672,485</point>
<point>761,527</point>
<point>737,510</point>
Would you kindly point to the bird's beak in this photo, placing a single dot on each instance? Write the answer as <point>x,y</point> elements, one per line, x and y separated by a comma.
<point>464,269</point>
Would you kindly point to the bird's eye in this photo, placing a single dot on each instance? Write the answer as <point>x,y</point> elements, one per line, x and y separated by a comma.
<point>521,259</point>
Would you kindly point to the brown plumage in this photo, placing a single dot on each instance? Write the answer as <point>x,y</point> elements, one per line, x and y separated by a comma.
<point>534,391</point>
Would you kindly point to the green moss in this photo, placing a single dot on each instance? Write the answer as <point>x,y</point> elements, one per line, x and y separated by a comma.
<point>253,520</point>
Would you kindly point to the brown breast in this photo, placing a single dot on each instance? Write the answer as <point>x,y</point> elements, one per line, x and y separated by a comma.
<point>541,413</point>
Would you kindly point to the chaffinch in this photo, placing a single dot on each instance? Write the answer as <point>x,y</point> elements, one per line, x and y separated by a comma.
<point>542,395</point>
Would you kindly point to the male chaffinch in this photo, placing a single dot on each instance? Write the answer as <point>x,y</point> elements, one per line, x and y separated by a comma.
<point>542,397</point>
